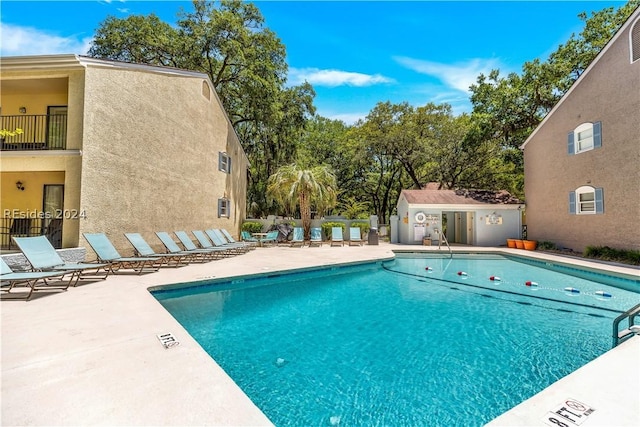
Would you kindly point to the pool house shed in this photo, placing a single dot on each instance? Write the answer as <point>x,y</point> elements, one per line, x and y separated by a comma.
<point>470,217</point>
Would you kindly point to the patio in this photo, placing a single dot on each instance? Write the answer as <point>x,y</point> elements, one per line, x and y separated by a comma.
<point>91,356</point>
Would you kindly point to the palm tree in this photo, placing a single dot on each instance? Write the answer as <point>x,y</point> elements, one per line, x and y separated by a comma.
<point>292,187</point>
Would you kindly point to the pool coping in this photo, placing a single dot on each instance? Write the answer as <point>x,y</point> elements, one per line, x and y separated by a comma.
<point>67,357</point>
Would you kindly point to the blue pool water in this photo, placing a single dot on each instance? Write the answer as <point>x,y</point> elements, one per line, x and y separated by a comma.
<point>396,343</point>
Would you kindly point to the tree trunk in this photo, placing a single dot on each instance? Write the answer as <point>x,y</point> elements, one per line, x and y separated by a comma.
<point>305,214</point>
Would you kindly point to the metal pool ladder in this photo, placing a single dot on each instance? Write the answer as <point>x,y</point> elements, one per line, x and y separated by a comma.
<point>625,334</point>
<point>440,239</point>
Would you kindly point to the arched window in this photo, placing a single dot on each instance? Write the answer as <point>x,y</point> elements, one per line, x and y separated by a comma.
<point>586,200</point>
<point>634,35</point>
<point>585,137</point>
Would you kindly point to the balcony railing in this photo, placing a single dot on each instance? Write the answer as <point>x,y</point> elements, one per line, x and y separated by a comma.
<point>40,132</point>
<point>22,226</point>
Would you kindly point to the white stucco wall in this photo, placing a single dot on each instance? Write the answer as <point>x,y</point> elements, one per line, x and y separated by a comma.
<point>476,232</point>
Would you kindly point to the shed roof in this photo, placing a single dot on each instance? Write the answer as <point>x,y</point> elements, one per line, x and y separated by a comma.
<point>460,197</point>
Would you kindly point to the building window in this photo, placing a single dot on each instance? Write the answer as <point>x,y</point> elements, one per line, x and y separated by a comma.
<point>224,208</point>
<point>585,137</point>
<point>586,200</point>
<point>224,162</point>
<point>635,41</point>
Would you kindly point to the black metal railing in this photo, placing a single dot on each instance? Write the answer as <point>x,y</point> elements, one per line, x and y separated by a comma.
<point>28,227</point>
<point>39,132</point>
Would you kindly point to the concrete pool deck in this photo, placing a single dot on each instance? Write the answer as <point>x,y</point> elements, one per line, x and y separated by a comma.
<point>91,356</point>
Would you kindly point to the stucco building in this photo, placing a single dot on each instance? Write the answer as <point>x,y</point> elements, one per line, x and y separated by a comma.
<point>114,147</point>
<point>582,163</point>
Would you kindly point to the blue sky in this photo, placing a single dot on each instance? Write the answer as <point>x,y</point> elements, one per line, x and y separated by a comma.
<point>354,53</point>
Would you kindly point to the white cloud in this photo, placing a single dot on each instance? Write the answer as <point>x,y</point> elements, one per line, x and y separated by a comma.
<point>457,76</point>
<point>20,41</point>
<point>347,118</point>
<point>334,78</point>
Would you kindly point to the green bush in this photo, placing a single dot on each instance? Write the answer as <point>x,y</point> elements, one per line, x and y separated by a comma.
<point>327,226</point>
<point>252,227</point>
<point>545,246</point>
<point>611,254</point>
<point>363,225</point>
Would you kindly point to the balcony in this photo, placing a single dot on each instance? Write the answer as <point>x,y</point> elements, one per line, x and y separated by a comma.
<point>23,226</point>
<point>40,132</point>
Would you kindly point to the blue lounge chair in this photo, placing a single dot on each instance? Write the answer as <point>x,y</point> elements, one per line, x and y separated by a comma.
<point>336,236</point>
<point>355,237</point>
<point>270,238</point>
<point>230,239</point>
<point>197,255</point>
<point>247,237</point>
<point>189,245</point>
<point>316,237</point>
<point>207,242</point>
<point>220,242</point>
<point>142,249</point>
<point>298,237</point>
<point>108,254</point>
<point>43,257</point>
<point>34,280</point>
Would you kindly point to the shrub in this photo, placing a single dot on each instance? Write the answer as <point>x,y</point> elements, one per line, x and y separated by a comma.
<point>252,227</point>
<point>327,226</point>
<point>611,254</point>
<point>545,246</point>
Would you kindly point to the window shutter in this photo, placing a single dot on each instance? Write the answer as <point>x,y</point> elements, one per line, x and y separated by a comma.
<point>572,202</point>
<point>220,206</point>
<point>597,135</point>
<point>599,201</point>
<point>570,146</point>
<point>220,160</point>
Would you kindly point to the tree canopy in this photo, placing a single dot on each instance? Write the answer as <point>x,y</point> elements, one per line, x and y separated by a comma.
<point>395,146</point>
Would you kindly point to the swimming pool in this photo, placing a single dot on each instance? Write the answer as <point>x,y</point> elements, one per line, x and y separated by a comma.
<point>408,342</point>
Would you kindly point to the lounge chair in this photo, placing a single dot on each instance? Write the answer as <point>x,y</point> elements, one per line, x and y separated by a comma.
<point>142,249</point>
<point>336,236</point>
<point>298,237</point>
<point>43,257</point>
<point>247,237</point>
<point>207,242</point>
<point>34,280</point>
<point>220,241</point>
<point>355,237</point>
<point>189,245</point>
<point>316,237</point>
<point>231,240</point>
<point>108,254</point>
<point>270,238</point>
<point>197,255</point>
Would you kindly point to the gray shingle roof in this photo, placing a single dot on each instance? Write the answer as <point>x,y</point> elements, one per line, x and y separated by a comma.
<point>460,197</point>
